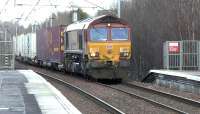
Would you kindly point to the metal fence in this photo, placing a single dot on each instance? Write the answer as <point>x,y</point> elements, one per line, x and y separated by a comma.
<point>181,55</point>
<point>6,51</point>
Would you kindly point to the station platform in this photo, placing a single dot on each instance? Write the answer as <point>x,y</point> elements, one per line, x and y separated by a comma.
<point>188,81</point>
<point>26,92</point>
<point>188,75</point>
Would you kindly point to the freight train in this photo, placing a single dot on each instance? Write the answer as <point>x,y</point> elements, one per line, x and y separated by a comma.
<point>99,47</point>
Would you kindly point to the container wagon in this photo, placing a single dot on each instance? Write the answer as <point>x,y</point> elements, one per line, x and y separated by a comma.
<point>26,47</point>
<point>99,47</point>
<point>50,47</point>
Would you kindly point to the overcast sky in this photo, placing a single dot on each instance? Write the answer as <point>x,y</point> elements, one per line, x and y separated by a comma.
<point>30,13</point>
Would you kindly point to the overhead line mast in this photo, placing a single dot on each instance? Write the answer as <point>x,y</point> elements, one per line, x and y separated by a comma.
<point>119,8</point>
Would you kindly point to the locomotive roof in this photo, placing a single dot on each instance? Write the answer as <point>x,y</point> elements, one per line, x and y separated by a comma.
<point>84,24</point>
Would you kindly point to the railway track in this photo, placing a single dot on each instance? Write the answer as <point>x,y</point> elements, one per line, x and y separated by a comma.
<point>107,106</point>
<point>100,102</point>
<point>171,101</point>
<point>146,99</point>
<point>132,92</point>
<point>166,94</point>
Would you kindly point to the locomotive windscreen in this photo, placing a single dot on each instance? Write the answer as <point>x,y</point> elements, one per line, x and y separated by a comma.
<point>98,34</point>
<point>103,34</point>
<point>119,33</point>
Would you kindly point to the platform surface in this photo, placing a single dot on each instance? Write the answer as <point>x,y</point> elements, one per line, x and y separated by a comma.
<point>191,75</point>
<point>25,92</point>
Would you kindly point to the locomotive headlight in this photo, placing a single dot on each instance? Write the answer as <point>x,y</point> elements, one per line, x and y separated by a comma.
<point>94,52</point>
<point>124,52</point>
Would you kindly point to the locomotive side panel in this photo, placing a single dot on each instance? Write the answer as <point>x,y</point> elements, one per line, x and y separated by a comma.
<point>74,41</point>
<point>74,53</point>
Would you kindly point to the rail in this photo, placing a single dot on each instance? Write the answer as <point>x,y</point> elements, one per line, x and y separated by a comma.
<point>100,102</point>
<point>166,94</point>
<point>146,99</point>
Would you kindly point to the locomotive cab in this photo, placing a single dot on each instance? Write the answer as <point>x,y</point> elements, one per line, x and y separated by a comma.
<point>99,47</point>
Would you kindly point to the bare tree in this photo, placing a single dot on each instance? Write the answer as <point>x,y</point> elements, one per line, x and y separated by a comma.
<point>156,21</point>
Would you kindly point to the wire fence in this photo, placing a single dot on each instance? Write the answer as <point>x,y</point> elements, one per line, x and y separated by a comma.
<point>6,51</point>
<point>181,55</point>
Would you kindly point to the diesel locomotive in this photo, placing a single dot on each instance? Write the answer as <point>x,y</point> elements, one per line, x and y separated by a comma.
<point>99,47</point>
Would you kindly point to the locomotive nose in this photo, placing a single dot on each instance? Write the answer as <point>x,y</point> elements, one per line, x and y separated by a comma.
<point>109,52</point>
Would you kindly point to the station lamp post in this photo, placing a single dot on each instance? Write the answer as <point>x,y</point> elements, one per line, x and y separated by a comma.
<point>119,8</point>
<point>16,29</point>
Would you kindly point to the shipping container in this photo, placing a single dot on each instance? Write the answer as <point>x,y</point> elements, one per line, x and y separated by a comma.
<point>50,46</point>
<point>181,55</point>
<point>18,45</point>
<point>26,46</point>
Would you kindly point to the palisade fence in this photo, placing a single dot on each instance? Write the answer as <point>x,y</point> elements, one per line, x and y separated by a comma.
<point>6,51</point>
<point>181,55</point>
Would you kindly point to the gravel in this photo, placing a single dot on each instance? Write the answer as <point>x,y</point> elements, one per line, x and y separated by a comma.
<point>189,95</point>
<point>165,100</point>
<point>82,103</point>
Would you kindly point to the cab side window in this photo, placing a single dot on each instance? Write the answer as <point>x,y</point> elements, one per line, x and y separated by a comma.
<point>80,37</point>
<point>66,40</point>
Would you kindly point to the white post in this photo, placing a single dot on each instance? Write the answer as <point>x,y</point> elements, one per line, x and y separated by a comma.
<point>119,8</point>
<point>5,36</point>
<point>75,15</point>
<point>51,20</point>
<point>14,3</point>
<point>16,45</point>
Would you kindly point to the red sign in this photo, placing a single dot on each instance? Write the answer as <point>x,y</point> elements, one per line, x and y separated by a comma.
<point>174,47</point>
